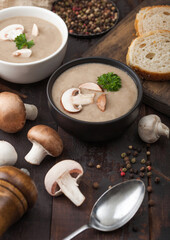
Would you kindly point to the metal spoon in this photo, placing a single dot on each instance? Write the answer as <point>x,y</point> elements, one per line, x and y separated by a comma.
<point>115,207</point>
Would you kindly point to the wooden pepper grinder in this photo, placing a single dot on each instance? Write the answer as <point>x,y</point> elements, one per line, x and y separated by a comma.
<point>18,193</point>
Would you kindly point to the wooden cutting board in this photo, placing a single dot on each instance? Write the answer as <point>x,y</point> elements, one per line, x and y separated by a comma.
<point>115,45</point>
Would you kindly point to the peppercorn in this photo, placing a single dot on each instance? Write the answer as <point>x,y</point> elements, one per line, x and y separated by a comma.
<point>124,169</point>
<point>133,160</point>
<point>98,166</point>
<point>126,158</point>
<point>122,174</point>
<point>135,154</point>
<point>149,189</point>
<point>148,145</point>
<point>134,148</point>
<point>148,168</point>
<point>96,185</point>
<point>90,164</point>
<point>142,169</point>
<point>157,180</point>
<point>128,153</point>
<point>149,174</point>
<point>148,163</point>
<point>128,166</point>
<point>141,174</point>
<point>131,170</point>
<point>151,203</point>
<point>122,165</point>
<point>130,147</point>
<point>127,162</point>
<point>143,161</point>
<point>131,175</point>
<point>123,155</point>
<point>109,187</point>
<point>139,150</point>
<point>148,153</point>
<point>135,171</point>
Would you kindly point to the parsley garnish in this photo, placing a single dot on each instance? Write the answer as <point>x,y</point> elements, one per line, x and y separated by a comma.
<point>21,42</point>
<point>110,81</point>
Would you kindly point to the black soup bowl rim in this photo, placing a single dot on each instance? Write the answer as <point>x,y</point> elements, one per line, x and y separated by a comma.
<point>103,60</point>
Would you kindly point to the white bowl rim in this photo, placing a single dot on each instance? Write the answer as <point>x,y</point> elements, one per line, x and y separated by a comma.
<point>43,59</point>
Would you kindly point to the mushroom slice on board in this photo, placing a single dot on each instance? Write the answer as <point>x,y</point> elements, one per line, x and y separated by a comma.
<point>61,179</point>
<point>91,86</point>
<point>46,141</point>
<point>150,128</point>
<point>8,155</point>
<point>35,30</point>
<point>72,100</point>
<point>25,53</point>
<point>13,112</point>
<point>11,32</point>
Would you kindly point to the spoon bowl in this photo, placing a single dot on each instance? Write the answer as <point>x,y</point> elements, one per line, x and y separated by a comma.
<point>115,207</point>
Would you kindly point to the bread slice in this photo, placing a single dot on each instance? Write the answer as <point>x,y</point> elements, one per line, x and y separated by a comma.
<point>152,18</point>
<point>149,55</point>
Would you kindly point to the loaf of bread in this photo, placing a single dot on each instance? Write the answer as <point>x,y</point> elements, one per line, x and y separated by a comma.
<point>152,18</point>
<point>149,55</point>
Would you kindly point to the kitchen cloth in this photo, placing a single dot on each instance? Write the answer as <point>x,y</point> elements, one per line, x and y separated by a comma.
<point>39,3</point>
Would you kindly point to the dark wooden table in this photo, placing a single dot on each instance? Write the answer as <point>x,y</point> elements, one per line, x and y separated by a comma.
<point>55,218</point>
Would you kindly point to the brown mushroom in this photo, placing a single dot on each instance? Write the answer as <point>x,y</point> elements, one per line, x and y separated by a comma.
<point>13,112</point>
<point>62,178</point>
<point>46,141</point>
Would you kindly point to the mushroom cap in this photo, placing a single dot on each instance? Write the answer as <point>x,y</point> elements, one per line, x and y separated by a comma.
<point>48,138</point>
<point>8,155</point>
<point>59,169</point>
<point>12,112</point>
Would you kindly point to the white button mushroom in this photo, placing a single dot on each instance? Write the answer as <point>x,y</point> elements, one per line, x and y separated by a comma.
<point>46,141</point>
<point>8,155</point>
<point>35,30</point>
<point>13,112</point>
<point>150,128</point>
<point>72,100</point>
<point>11,32</point>
<point>25,53</point>
<point>91,86</point>
<point>61,179</point>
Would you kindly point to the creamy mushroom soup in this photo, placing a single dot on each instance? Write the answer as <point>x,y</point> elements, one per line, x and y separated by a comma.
<point>118,103</point>
<point>47,42</point>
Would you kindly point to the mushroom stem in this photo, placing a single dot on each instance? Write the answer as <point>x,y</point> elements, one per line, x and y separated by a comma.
<point>83,99</point>
<point>69,187</point>
<point>31,111</point>
<point>163,130</point>
<point>36,154</point>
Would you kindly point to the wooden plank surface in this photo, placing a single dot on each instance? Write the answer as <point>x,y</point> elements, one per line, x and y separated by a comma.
<point>115,45</point>
<point>54,218</point>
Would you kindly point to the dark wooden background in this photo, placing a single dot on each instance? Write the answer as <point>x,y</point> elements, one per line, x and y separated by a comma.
<point>55,218</point>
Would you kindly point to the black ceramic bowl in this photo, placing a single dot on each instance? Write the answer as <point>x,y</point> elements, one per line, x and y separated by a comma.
<point>94,131</point>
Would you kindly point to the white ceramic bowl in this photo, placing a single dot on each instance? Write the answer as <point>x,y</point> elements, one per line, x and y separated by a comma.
<point>37,70</point>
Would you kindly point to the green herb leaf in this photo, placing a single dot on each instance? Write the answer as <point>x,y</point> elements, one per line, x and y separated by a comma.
<point>21,42</point>
<point>110,81</point>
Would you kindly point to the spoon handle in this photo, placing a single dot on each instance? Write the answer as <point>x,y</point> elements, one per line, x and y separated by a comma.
<point>75,233</point>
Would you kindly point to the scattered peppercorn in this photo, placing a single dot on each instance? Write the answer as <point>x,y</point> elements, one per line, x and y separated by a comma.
<point>142,169</point>
<point>123,155</point>
<point>141,174</point>
<point>135,171</point>
<point>135,154</point>
<point>124,169</point>
<point>143,161</point>
<point>131,175</point>
<point>90,164</point>
<point>148,168</point>
<point>139,150</point>
<point>96,185</point>
<point>151,203</point>
<point>133,160</point>
<point>128,153</point>
<point>98,166</point>
<point>126,158</point>
<point>127,162</point>
<point>149,174</point>
<point>87,17</point>
<point>131,170</point>
<point>148,153</point>
<point>149,189</point>
<point>130,147</point>
<point>134,148</point>
<point>148,163</point>
<point>157,180</point>
<point>148,145</point>
<point>109,187</point>
<point>128,166</point>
